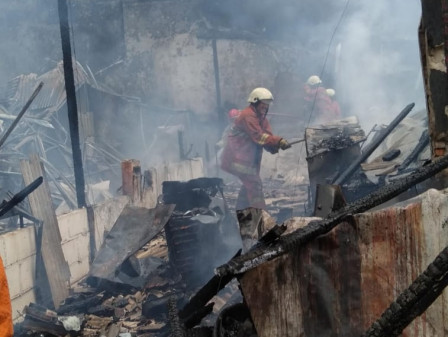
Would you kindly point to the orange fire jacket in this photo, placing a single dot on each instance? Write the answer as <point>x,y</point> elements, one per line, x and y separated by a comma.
<point>242,153</point>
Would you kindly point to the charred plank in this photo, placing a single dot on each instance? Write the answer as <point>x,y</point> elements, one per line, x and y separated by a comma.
<point>205,294</point>
<point>197,317</point>
<point>273,234</point>
<point>81,305</point>
<point>177,330</point>
<point>422,143</point>
<point>41,326</point>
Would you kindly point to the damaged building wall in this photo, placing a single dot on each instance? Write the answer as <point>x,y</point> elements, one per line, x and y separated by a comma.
<point>160,54</point>
<point>433,48</point>
<point>18,248</point>
<point>343,281</point>
<point>177,66</point>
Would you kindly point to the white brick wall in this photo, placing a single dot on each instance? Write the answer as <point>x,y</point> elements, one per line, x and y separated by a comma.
<point>73,224</point>
<point>17,245</point>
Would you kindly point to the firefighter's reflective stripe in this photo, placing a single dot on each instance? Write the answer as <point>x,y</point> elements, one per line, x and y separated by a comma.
<point>243,169</point>
<point>263,138</point>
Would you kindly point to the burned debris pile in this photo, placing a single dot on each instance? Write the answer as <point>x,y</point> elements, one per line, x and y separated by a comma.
<point>341,154</point>
<point>196,231</point>
<point>150,258</point>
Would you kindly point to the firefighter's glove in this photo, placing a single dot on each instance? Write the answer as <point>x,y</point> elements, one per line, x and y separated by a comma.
<point>283,144</point>
<point>271,149</point>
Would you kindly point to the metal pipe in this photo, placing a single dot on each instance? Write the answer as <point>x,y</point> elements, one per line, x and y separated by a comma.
<point>217,86</point>
<point>71,102</point>
<point>354,166</point>
<point>21,113</point>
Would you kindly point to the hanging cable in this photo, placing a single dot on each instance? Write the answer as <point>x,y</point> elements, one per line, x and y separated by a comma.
<point>326,56</point>
<point>344,11</point>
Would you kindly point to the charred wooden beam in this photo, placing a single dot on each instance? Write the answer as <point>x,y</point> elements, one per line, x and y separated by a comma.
<point>6,206</point>
<point>273,234</point>
<point>40,313</point>
<point>101,310</point>
<point>316,228</point>
<point>41,319</point>
<point>200,332</point>
<point>205,294</point>
<point>414,300</point>
<point>176,327</point>
<point>40,326</point>
<point>422,142</point>
<point>197,317</point>
<point>81,305</point>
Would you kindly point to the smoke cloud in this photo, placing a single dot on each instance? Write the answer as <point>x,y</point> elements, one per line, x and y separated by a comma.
<point>378,70</point>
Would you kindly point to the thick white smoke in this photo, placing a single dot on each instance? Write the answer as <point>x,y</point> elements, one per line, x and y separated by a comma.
<point>379,70</point>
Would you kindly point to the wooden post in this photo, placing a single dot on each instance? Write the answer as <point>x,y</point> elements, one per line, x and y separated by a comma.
<point>137,184</point>
<point>131,179</point>
<point>56,266</point>
<point>71,102</point>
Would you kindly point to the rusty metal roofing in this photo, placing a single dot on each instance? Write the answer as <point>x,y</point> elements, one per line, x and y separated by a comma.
<point>52,96</point>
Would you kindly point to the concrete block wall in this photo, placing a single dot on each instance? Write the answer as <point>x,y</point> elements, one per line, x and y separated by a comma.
<point>18,251</point>
<point>75,236</point>
<point>18,248</point>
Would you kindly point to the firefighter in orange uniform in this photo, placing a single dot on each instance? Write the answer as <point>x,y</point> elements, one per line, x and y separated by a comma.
<point>317,101</point>
<point>334,109</point>
<point>241,156</point>
<point>6,327</point>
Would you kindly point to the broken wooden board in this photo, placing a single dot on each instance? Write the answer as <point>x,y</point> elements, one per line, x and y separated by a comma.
<point>56,266</point>
<point>133,229</point>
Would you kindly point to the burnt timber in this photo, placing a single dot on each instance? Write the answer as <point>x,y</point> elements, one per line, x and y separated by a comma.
<point>315,228</point>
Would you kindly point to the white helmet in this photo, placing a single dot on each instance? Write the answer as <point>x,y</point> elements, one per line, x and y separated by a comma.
<point>314,80</point>
<point>330,92</point>
<point>260,94</point>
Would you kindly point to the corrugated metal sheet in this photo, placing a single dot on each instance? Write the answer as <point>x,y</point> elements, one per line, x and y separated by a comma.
<point>52,96</point>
